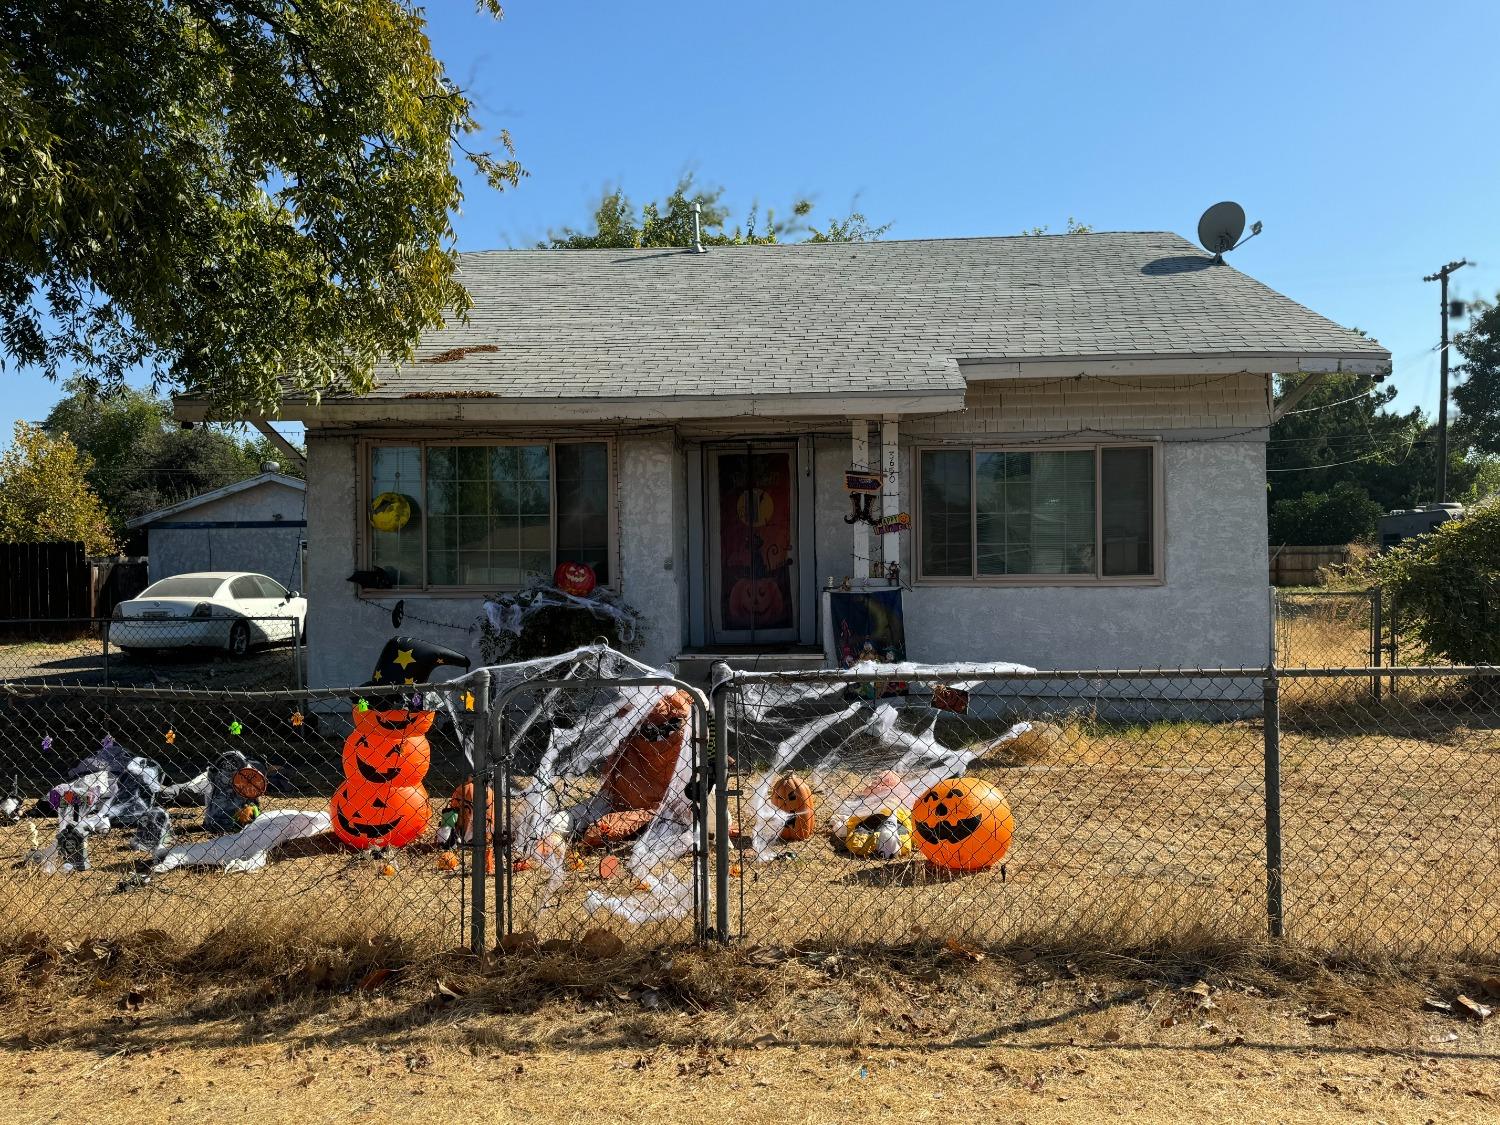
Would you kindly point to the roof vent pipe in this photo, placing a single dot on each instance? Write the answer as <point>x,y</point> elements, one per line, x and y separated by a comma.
<point>697,227</point>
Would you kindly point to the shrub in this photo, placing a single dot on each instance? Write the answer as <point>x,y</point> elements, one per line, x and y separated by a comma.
<point>1445,586</point>
<point>1343,514</point>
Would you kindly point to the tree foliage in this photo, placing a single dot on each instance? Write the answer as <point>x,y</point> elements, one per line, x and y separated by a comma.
<point>1478,395</point>
<point>45,495</point>
<point>140,460</point>
<point>243,196</point>
<point>1343,514</point>
<point>617,225</point>
<point>1447,585</point>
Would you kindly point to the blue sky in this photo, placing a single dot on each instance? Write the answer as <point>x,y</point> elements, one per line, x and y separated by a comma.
<point>1357,133</point>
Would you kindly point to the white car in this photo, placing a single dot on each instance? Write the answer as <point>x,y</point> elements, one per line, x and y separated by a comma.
<point>232,610</point>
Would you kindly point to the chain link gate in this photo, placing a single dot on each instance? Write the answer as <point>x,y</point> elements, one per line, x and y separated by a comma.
<point>598,787</point>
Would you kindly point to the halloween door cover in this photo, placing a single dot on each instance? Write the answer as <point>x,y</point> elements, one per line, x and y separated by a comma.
<point>755,540</point>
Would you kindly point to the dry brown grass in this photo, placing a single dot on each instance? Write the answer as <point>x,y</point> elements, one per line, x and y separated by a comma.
<point>169,1030</point>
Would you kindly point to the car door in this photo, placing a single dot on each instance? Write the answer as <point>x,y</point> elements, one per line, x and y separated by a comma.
<point>280,605</point>
<point>250,601</point>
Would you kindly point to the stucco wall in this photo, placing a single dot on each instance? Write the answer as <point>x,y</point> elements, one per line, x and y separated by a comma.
<point>346,632</point>
<point>267,550</point>
<point>1213,610</point>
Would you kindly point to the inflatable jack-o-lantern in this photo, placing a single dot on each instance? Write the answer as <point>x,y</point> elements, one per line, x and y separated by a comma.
<point>756,599</point>
<point>367,815</point>
<point>792,796</point>
<point>383,758</point>
<point>637,775</point>
<point>575,578</point>
<point>398,724</point>
<point>963,823</point>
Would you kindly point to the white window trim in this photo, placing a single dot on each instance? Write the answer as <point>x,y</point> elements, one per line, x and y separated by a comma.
<point>1098,578</point>
<point>363,497</point>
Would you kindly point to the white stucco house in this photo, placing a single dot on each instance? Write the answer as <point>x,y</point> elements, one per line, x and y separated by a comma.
<point>1075,426</point>
<point>253,524</point>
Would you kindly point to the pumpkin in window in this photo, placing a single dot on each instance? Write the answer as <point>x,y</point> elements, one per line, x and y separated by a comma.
<point>638,773</point>
<point>794,797</point>
<point>575,578</point>
<point>383,757</point>
<point>963,823</point>
<point>365,815</point>
<point>753,599</point>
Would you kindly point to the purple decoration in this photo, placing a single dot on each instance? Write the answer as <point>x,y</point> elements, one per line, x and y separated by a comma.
<point>47,743</point>
<point>108,744</point>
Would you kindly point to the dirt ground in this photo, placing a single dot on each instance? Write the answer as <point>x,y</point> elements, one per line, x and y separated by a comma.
<point>83,661</point>
<point>756,1035</point>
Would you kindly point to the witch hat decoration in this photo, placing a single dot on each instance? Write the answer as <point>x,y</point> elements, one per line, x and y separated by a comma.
<point>407,660</point>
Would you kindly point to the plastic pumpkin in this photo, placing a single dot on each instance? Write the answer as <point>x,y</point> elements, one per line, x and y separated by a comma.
<point>393,722</point>
<point>447,861</point>
<point>575,578</point>
<point>637,775</point>
<point>794,797</point>
<point>365,815</point>
<point>963,823</point>
<point>390,511</point>
<point>384,758</point>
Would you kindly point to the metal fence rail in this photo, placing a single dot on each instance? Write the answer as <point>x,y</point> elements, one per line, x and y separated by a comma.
<point>236,653</point>
<point>848,807</point>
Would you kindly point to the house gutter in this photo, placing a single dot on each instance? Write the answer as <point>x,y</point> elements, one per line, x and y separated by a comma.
<point>1217,363</point>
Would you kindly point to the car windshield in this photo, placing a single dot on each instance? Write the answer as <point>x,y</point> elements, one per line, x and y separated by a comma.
<point>184,586</point>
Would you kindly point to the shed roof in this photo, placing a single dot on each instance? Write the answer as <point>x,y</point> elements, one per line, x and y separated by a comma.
<point>217,494</point>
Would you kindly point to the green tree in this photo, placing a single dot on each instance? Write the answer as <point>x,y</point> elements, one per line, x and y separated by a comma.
<point>45,495</point>
<point>244,197</point>
<point>1343,514</point>
<point>140,460</point>
<point>669,223</point>
<point>1478,395</point>
<point>1447,584</point>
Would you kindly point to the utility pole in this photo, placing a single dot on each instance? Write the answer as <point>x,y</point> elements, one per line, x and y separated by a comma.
<point>1442,449</point>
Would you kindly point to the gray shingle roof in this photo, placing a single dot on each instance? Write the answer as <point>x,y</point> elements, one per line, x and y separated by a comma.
<point>844,318</point>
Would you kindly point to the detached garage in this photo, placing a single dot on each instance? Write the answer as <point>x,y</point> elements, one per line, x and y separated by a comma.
<point>256,524</point>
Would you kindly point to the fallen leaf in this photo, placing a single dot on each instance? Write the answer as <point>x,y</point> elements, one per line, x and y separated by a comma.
<point>1473,1008</point>
<point>1433,1004</point>
<point>1329,1087</point>
<point>374,979</point>
<point>306,1080</point>
<point>601,944</point>
<point>524,942</point>
<point>1169,1021</point>
<point>1111,1036</point>
<point>761,1042</point>
<point>1322,1019</point>
<point>966,952</point>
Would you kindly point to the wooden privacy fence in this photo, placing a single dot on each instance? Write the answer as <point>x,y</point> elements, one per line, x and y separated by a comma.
<point>1299,566</point>
<point>47,580</point>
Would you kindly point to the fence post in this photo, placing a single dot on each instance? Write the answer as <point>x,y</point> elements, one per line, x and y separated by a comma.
<point>104,640</point>
<point>1377,637</point>
<point>1271,720</point>
<point>479,818</point>
<point>721,809</point>
<point>297,658</point>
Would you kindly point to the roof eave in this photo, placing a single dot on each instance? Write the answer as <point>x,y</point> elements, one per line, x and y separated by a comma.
<point>1210,363</point>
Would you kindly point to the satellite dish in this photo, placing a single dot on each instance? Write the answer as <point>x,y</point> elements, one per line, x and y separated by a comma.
<point>1220,228</point>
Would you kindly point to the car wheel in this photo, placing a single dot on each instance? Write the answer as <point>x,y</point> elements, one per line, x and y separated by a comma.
<point>239,639</point>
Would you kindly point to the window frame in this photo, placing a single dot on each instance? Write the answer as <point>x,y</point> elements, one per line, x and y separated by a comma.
<point>1158,576</point>
<point>421,444</point>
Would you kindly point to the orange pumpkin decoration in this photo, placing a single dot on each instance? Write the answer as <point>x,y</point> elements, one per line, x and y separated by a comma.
<point>397,723</point>
<point>383,758</point>
<point>964,824</point>
<point>575,578</point>
<point>617,827</point>
<point>365,814</point>
<point>636,776</point>
<point>753,599</point>
<point>794,797</point>
<point>447,861</point>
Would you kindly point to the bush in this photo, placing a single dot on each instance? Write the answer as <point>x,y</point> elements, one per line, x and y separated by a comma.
<point>1445,586</point>
<point>1343,514</point>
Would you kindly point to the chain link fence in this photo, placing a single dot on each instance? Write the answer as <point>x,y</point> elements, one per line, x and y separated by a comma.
<point>982,805</point>
<point>220,652</point>
<point>1330,629</point>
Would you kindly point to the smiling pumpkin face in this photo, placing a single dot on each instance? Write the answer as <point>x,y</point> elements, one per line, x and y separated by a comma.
<point>364,815</point>
<point>398,723</point>
<point>384,758</point>
<point>963,824</point>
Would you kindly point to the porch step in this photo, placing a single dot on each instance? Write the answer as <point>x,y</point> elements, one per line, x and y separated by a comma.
<point>697,667</point>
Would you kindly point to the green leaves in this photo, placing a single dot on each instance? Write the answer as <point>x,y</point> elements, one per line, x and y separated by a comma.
<point>250,197</point>
<point>45,496</point>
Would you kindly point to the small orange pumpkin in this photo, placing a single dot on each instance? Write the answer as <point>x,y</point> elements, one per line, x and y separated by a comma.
<point>365,814</point>
<point>447,861</point>
<point>398,723</point>
<point>462,803</point>
<point>794,797</point>
<point>963,823</point>
<point>637,775</point>
<point>386,758</point>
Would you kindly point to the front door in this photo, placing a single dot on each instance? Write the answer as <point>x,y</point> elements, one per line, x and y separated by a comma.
<point>753,592</point>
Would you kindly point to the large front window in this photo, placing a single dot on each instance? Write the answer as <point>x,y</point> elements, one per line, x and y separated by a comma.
<point>1038,514</point>
<point>488,516</point>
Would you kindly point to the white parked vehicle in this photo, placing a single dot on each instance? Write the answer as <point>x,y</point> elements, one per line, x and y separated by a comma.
<point>232,610</point>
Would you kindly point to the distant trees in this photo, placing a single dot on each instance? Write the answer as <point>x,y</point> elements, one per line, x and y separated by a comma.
<point>45,495</point>
<point>1478,394</point>
<point>618,225</point>
<point>138,459</point>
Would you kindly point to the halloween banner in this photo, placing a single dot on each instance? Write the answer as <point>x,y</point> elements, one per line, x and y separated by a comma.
<point>866,625</point>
